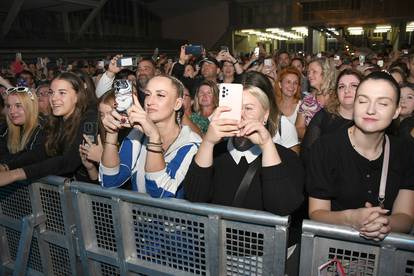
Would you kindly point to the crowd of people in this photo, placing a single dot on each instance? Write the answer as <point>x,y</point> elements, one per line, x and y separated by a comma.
<point>326,137</point>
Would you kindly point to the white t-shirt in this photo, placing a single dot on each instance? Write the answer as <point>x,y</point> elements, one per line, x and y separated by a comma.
<point>292,118</point>
<point>286,134</point>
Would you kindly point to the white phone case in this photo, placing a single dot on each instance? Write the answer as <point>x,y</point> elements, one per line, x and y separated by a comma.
<point>231,95</point>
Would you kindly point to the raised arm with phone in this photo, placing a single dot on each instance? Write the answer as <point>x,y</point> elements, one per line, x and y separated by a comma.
<point>158,150</point>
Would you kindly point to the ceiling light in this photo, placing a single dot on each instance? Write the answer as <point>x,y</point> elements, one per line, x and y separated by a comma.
<point>355,30</point>
<point>382,29</point>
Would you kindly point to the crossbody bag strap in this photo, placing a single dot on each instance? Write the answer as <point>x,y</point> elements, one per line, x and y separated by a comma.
<point>384,172</point>
<point>245,183</point>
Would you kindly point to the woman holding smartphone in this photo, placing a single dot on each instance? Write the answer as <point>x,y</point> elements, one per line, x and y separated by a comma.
<point>345,182</point>
<point>230,147</point>
<point>157,152</point>
<point>63,130</point>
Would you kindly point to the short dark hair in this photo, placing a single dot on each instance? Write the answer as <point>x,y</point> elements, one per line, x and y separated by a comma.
<point>26,72</point>
<point>381,75</point>
<point>299,59</point>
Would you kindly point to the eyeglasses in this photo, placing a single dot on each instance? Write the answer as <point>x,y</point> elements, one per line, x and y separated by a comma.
<point>20,89</point>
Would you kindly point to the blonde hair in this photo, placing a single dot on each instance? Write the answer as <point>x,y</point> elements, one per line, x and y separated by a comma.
<point>19,136</point>
<point>329,74</point>
<point>214,88</point>
<point>261,96</point>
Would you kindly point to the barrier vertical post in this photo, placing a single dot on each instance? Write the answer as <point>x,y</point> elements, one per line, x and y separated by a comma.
<point>214,245</point>
<point>28,224</point>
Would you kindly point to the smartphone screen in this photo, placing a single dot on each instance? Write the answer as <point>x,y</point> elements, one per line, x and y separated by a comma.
<point>224,48</point>
<point>101,64</point>
<point>90,129</point>
<point>123,95</point>
<point>268,62</point>
<point>380,63</point>
<point>256,51</point>
<point>231,95</point>
<point>361,60</point>
<point>127,61</point>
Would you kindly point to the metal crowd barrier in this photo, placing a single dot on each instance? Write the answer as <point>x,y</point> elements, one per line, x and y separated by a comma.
<point>53,227</point>
<point>124,233</point>
<point>36,224</point>
<point>323,242</point>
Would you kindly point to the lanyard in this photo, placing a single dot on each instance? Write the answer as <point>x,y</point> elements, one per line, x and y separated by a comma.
<point>384,172</point>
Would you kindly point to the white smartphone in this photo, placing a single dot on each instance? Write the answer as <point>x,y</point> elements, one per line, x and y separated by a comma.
<point>361,60</point>
<point>256,51</point>
<point>380,63</point>
<point>231,95</point>
<point>268,62</point>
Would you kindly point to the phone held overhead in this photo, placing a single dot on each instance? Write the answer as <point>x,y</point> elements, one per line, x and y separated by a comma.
<point>126,61</point>
<point>194,49</point>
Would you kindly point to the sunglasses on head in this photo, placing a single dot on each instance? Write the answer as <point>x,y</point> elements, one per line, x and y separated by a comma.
<point>20,89</point>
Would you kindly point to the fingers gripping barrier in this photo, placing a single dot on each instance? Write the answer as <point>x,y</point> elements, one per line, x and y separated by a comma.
<point>322,243</point>
<point>36,225</point>
<point>129,233</point>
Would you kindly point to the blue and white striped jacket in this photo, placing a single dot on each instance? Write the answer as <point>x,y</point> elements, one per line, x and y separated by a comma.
<point>164,183</point>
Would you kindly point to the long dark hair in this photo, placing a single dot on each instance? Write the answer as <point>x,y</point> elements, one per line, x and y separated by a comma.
<point>89,86</point>
<point>59,132</point>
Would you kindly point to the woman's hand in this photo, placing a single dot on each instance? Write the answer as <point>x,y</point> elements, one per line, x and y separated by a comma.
<point>220,128</point>
<point>361,217</point>
<point>86,163</point>
<point>112,67</point>
<point>92,152</point>
<point>376,226</point>
<point>377,229</point>
<point>255,131</point>
<point>138,118</point>
<point>112,121</point>
<point>9,177</point>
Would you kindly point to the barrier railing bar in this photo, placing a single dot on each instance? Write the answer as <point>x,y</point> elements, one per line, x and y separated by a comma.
<point>280,252</point>
<point>69,222</point>
<point>250,216</point>
<point>4,252</point>
<point>146,270</point>
<point>10,222</point>
<point>386,261</point>
<point>99,258</point>
<point>28,224</point>
<point>213,245</point>
<point>118,212</point>
<point>342,232</point>
<point>306,256</point>
<point>83,252</point>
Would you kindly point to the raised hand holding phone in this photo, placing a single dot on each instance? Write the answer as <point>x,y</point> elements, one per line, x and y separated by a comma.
<point>138,118</point>
<point>219,127</point>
